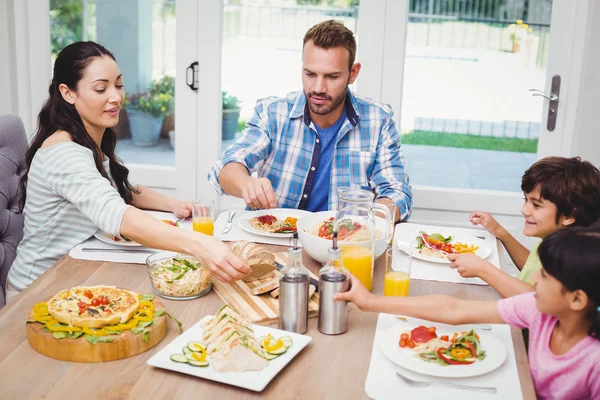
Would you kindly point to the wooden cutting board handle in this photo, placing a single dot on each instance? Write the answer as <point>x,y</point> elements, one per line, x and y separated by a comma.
<point>125,345</point>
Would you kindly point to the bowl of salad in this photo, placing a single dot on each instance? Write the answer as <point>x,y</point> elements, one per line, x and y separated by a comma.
<point>178,276</point>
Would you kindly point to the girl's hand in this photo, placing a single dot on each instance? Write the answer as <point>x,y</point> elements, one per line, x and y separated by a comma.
<point>220,261</point>
<point>182,209</point>
<point>487,221</point>
<point>357,294</point>
<point>468,265</point>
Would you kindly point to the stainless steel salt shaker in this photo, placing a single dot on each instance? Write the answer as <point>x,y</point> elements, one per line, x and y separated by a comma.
<point>334,278</point>
<point>293,293</point>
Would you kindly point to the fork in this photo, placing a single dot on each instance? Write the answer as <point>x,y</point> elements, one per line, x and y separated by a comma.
<point>448,384</point>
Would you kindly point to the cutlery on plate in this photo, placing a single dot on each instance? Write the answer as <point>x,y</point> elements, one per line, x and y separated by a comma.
<point>483,327</point>
<point>448,384</point>
<point>227,226</point>
<point>147,251</point>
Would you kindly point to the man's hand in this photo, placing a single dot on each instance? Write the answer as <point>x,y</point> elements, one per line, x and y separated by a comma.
<point>469,265</point>
<point>258,193</point>
<point>487,221</point>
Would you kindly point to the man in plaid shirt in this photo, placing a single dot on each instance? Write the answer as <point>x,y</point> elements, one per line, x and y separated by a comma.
<point>305,145</point>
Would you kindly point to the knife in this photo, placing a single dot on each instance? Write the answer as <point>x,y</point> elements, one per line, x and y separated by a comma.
<point>312,281</point>
<point>148,251</point>
<point>227,227</point>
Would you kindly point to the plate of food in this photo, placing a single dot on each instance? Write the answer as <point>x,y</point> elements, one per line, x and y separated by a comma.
<point>96,323</point>
<point>435,246</point>
<point>123,241</point>
<point>442,352</point>
<point>277,222</point>
<point>226,348</point>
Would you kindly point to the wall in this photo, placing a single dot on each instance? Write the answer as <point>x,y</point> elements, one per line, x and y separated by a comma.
<point>587,133</point>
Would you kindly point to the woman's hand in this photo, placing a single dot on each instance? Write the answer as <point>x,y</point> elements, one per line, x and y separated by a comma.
<point>219,260</point>
<point>357,294</point>
<point>181,209</point>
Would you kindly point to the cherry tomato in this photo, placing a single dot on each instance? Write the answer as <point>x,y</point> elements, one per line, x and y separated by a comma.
<point>432,329</point>
<point>95,302</point>
<point>82,304</point>
<point>88,294</point>
<point>445,338</point>
<point>404,336</point>
<point>402,342</point>
<point>104,300</point>
<point>410,344</point>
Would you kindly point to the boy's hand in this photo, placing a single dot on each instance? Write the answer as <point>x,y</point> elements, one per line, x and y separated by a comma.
<point>357,294</point>
<point>468,265</point>
<point>487,221</point>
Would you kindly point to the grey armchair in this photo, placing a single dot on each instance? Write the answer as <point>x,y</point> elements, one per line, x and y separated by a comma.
<point>13,145</point>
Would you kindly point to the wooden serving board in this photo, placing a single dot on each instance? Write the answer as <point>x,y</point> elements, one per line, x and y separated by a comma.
<point>262,309</point>
<point>125,345</point>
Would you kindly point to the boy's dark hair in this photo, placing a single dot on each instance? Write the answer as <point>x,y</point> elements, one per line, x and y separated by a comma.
<point>328,34</point>
<point>571,184</point>
<point>573,257</point>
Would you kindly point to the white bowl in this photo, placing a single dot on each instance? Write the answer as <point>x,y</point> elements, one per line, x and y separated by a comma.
<point>318,247</point>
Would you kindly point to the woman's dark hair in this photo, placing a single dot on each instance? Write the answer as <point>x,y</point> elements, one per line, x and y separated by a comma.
<point>572,256</point>
<point>571,184</point>
<point>57,114</point>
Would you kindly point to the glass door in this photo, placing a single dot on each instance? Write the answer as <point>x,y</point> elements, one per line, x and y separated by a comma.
<point>142,36</point>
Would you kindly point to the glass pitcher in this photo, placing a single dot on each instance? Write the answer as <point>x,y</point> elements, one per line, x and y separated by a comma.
<point>360,236</point>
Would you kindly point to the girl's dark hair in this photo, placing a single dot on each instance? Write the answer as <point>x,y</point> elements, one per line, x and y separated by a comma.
<point>57,114</point>
<point>572,256</point>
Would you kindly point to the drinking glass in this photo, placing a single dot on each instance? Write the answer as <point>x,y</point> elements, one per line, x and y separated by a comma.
<point>397,273</point>
<point>203,212</point>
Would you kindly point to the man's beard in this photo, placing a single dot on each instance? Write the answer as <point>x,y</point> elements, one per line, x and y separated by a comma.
<point>324,109</point>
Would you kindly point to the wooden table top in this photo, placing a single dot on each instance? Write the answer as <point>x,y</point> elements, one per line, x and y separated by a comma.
<point>326,368</point>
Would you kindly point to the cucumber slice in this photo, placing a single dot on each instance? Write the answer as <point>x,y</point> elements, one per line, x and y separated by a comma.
<point>186,350</point>
<point>192,346</point>
<point>287,341</point>
<point>180,358</point>
<point>278,351</point>
<point>268,356</point>
<point>196,363</point>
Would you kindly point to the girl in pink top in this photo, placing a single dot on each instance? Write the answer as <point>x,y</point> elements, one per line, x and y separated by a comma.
<point>563,314</point>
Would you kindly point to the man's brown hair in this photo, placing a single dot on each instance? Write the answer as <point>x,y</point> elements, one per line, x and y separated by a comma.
<point>328,34</point>
<point>571,184</point>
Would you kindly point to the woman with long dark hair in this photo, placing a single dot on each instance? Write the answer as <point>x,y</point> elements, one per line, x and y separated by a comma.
<point>76,184</point>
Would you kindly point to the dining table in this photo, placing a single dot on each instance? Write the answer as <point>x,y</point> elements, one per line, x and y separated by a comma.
<point>330,367</point>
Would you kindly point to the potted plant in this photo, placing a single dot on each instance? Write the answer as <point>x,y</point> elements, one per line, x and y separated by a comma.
<point>146,112</point>
<point>231,114</point>
<point>166,84</point>
<point>518,35</point>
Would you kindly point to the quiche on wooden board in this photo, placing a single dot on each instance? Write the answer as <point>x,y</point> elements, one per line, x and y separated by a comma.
<point>93,306</point>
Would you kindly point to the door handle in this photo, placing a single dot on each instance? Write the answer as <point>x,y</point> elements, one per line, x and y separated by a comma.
<point>193,69</point>
<point>553,99</point>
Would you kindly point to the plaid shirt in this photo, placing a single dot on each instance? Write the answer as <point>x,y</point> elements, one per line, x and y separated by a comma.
<point>280,142</point>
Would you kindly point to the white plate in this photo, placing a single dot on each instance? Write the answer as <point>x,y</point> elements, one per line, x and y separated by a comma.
<point>280,213</point>
<point>253,380</point>
<point>404,357</point>
<point>484,251</point>
<point>101,236</point>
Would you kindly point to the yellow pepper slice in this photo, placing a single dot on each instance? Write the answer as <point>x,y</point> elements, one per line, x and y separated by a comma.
<point>41,308</point>
<point>97,332</point>
<point>54,326</point>
<point>146,304</point>
<point>144,316</point>
<point>132,323</point>
<point>460,353</point>
<point>201,357</point>
<point>42,318</point>
<point>278,344</point>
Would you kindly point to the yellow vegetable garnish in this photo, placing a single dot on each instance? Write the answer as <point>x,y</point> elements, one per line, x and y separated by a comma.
<point>97,332</point>
<point>460,353</point>
<point>41,308</point>
<point>144,316</point>
<point>54,326</point>
<point>42,318</point>
<point>278,344</point>
<point>201,357</point>
<point>132,323</point>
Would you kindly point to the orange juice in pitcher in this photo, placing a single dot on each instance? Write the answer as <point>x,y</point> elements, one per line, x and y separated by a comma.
<point>359,261</point>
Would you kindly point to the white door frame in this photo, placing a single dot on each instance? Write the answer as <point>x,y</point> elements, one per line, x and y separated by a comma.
<point>383,81</point>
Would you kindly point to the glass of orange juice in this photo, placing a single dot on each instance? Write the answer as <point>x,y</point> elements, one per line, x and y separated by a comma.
<point>203,216</point>
<point>359,261</point>
<point>397,273</point>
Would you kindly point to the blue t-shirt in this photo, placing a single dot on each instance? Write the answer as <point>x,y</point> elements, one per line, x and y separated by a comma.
<point>319,195</point>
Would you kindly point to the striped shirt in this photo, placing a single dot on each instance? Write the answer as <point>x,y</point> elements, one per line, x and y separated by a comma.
<point>281,143</point>
<point>67,200</point>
